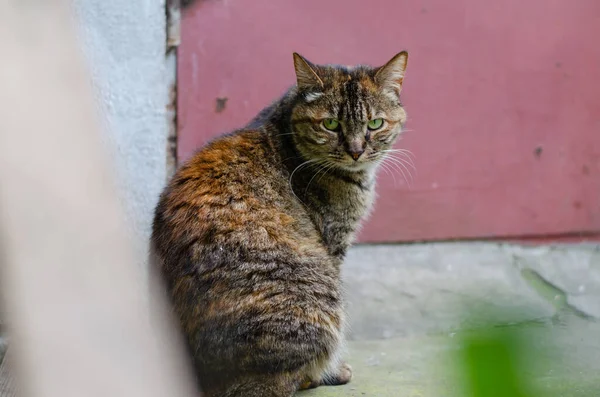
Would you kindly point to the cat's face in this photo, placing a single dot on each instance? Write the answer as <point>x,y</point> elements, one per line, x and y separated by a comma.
<point>348,117</point>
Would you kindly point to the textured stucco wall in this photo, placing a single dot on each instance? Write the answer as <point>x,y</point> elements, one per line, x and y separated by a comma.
<point>124,46</point>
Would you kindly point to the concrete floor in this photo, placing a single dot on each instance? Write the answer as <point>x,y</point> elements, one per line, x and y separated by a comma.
<point>410,305</point>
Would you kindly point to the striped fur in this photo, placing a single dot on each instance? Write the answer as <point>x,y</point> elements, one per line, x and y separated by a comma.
<point>250,233</point>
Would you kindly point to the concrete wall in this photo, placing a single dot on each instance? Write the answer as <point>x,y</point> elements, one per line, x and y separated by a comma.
<point>124,43</point>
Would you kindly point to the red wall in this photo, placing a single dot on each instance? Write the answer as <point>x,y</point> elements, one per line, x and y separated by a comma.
<point>503,101</point>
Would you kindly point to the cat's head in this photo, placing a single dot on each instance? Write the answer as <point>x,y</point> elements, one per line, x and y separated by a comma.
<point>348,117</point>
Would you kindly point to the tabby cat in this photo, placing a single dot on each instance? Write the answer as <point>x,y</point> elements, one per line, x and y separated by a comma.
<point>251,232</point>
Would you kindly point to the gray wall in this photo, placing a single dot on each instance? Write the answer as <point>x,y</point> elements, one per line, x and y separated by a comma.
<point>124,45</point>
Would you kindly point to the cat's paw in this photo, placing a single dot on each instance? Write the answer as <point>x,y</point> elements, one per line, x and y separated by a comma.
<point>340,377</point>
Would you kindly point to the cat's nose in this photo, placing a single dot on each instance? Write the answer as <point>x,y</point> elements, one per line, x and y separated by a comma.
<point>355,153</point>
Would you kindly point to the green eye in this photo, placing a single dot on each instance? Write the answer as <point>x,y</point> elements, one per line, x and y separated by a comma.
<point>375,124</point>
<point>331,124</point>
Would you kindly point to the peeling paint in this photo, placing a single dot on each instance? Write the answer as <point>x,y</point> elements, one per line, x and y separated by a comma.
<point>173,24</point>
<point>220,104</point>
<point>171,112</point>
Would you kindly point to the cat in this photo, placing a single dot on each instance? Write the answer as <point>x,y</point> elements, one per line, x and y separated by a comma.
<point>251,232</point>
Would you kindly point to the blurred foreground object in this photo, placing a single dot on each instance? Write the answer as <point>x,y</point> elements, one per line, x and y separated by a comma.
<point>523,360</point>
<point>491,359</point>
<point>76,303</point>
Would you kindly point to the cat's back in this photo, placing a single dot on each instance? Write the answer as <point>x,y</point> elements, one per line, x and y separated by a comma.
<point>234,193</point>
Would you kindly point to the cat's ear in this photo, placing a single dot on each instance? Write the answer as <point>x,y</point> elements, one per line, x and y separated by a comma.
<point>391,75</point>
<point>306,74</point>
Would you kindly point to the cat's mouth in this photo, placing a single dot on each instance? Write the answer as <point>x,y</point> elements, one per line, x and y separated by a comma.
<point>356,166</point>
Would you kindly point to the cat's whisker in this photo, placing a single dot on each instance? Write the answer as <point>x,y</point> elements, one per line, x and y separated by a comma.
<point>402,162</point>
<point>385,167</point>
<point>291,158</point>
<point>409,160</point>
<point>406,160</point>
<point>401,150</point>
<point>331,165</point>
<point>396,168</point>
<point>405,152</point>
<point>401,167</point>
<point>403,156</point>
<point>409,180</point>
<point>406,179</point>
<point>323,165</point>
<point>306,163</point>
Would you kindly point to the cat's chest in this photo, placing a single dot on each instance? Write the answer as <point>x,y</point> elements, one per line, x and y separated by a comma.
<point>340,217</point>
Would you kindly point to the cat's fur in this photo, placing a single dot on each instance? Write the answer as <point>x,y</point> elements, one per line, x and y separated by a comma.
<point>251,232</point>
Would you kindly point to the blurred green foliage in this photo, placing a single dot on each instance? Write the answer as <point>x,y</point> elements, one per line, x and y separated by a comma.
<point>524,360</point>
<point>490,361</point>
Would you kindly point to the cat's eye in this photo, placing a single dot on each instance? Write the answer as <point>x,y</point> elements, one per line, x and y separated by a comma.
<point>375,124</point>
<point>331,124</point>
